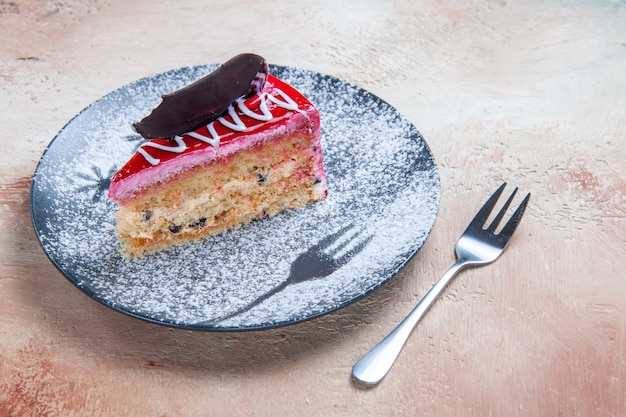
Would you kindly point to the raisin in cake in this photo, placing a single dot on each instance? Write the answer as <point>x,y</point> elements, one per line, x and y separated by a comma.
<point>236,145</point>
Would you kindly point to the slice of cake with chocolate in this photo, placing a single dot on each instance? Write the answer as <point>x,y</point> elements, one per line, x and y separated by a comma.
<point>234,146</point>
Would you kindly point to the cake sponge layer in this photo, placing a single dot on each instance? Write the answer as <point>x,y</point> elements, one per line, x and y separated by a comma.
<point>223,195</point>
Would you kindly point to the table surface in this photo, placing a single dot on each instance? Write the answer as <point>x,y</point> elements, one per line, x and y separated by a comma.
<point>528,92</point>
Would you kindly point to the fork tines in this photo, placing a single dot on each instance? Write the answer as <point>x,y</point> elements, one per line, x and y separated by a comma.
<point>483,214</point>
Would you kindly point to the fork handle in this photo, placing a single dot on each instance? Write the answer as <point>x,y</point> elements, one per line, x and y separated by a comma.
<point>373,367</point>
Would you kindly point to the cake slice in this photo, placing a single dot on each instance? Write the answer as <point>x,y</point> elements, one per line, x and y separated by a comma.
<point>253,150</point>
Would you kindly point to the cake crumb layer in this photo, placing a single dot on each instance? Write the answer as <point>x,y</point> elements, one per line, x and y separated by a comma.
<point>223,195</point>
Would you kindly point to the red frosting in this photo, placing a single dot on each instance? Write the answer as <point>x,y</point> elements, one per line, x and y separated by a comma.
<point>273,87</point>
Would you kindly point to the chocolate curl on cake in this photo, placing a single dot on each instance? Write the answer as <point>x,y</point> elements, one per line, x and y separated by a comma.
<point>206,99</point>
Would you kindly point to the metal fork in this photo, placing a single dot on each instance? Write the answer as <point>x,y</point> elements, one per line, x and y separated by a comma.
<point>476,246</point>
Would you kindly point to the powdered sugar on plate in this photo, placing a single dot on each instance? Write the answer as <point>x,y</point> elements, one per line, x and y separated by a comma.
<point>382,179</point>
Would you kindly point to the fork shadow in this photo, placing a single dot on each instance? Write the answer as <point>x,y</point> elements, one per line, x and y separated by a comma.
<point>318,261</point>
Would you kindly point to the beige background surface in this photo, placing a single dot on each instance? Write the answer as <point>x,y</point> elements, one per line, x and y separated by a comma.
<point>532,92</point>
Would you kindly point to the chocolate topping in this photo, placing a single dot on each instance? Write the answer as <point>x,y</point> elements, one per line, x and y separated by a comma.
<point>206,99</point>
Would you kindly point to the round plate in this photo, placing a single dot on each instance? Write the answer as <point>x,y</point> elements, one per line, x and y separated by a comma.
<point>383,199</point>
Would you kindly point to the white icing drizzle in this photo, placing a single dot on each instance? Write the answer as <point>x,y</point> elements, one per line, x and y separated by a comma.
<point>180,148</point>
<point>236,125</point>
<point>214,140</point>
<point>265,115</point>
<point>287,103</point>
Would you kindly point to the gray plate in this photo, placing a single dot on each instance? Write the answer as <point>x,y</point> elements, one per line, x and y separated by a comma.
<point>383,200</point>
